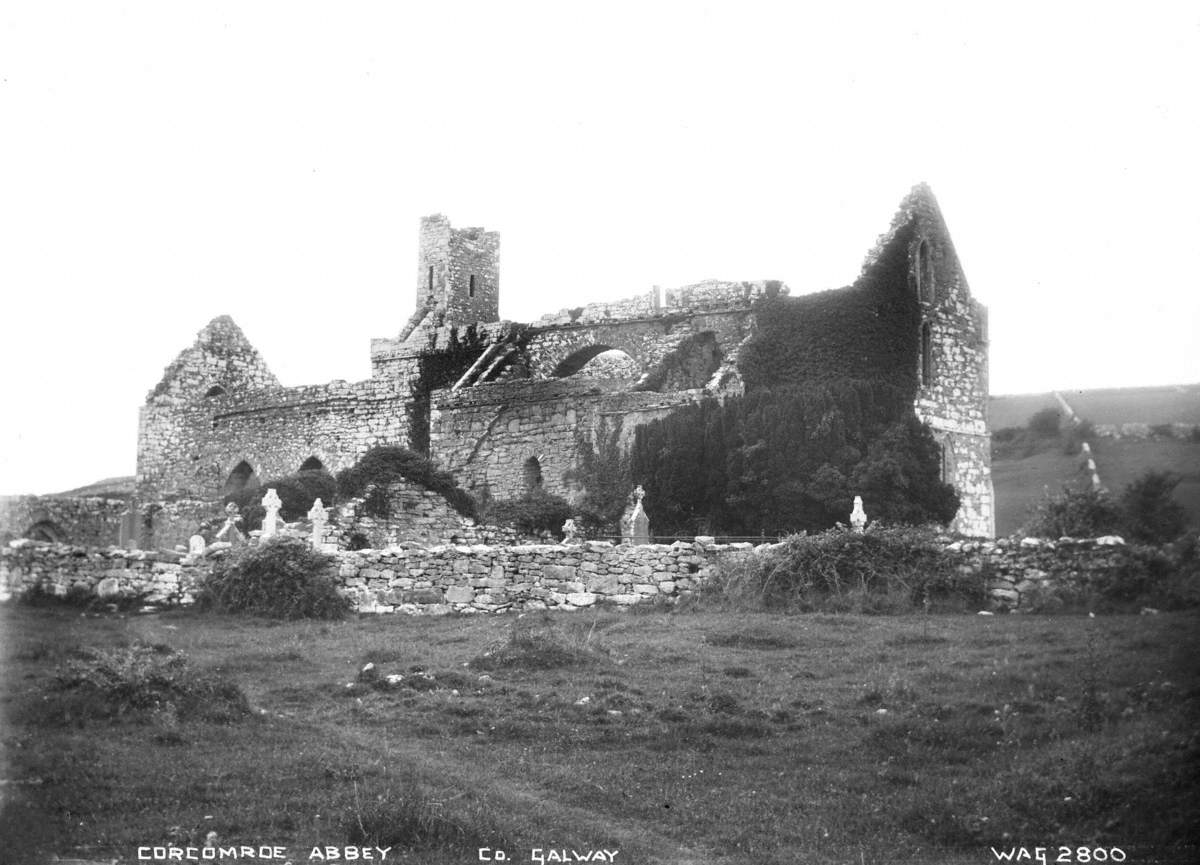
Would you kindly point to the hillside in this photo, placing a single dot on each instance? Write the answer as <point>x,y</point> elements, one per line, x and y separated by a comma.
<point>1021,480</point>
<point>1150,405</point>
<point>116,488</point>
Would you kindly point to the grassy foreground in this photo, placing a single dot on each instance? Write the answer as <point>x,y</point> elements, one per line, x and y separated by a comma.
<point>685,737</point>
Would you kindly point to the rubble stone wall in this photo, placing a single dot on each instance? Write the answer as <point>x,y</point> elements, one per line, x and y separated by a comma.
<point>87,521</point>
<point>480,578</point>
<point>487,435</point>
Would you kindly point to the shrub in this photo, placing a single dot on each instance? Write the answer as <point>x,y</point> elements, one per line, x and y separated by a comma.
<point>533,513</point>
<point>147,680</point>
<point>283,578</point>
<point>389,464</point>
<point>1045,422</point>
<point>1076,514</point>
<point>880,570</point>
<point>1150,514</point>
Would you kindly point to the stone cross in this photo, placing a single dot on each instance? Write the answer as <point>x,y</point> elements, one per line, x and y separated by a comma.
<point>319,516</point>
<point>272,503</point>
<point>229,532</point>
<point>570,532</point>
<point>858,517</point>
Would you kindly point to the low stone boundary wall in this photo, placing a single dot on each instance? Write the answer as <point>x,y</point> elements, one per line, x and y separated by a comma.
<point>438,579</point>
<point>465,579</point>
<point>1022,573</point>
<point>160,578</point>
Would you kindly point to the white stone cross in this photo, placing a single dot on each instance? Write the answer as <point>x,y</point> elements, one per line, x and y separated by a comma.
<point>319,516</point>
<point>272,503</point>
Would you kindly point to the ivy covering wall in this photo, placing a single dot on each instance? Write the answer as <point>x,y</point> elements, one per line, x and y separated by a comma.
<point>827,414</point>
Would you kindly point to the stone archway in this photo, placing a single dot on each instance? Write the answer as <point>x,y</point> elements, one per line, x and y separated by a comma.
<point>46,530</point>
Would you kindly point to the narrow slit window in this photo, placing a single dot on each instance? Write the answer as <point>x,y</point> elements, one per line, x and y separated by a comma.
<point>471,286</point>
<point>926,354</point>
<point>431,278</point>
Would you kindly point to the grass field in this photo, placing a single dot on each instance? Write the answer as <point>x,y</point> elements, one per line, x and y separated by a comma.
<point>1020,483</point>
<point>673,737</point>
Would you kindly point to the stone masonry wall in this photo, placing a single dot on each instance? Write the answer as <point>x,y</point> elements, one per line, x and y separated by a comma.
<point>953,401</point>
<point>86,521</point>
<point>443,579</point>
<point>486,435</point>
<point>191,449</point>
<point>415,516</point>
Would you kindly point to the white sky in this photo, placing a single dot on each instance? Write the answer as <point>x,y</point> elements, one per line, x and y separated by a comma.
<point>163,163</point>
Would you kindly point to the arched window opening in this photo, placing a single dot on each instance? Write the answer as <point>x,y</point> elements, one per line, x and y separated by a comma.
<point>46,530</point>
<point>471,286</point>
<point>215,390</point>
<point>924,273</point>
<point>926,354</point>
<point>312,464</point>
<point>241,478</point>
<point>533,474</point>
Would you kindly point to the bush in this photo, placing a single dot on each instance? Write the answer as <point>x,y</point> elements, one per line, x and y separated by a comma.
<point>1145,512</point>
<point>880,570</point>
<point>533,513</point>
<point>283,578</point>
<point>1150,514</point>
<point>155,681</point>
<point>389,464</point>
<point>1075,514</point>
<point>1045,423</point>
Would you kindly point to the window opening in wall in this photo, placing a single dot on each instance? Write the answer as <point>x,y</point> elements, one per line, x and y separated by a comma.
<point>312,464</point>
<point>241,478</point>
<point>947,462</point>
<point>471,286</point>
<point>533,474</point>
<point>431,279</point>
<point>924,271</point>
<point>215,390</point>
<point>926,354</point>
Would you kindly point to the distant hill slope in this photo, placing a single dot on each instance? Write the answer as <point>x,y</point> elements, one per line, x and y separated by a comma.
<point>1150,405</point>
<point>118,488</point>
<point>1021,482</point>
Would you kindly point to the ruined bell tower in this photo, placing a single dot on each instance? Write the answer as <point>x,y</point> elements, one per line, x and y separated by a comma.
<point>458,273</point>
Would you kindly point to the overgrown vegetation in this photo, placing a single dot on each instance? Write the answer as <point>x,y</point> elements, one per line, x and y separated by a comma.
<point>1144,512</point>
<point>282,578</point>
<point>738,468</point>
<point>881,570</point>
<point>534,513</point>
<point>388,464</point>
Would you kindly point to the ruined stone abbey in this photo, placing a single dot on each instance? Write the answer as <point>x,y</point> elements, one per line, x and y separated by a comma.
<point>504,406</point>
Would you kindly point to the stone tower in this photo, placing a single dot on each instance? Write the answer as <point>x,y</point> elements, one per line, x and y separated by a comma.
<point>458,276</point>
